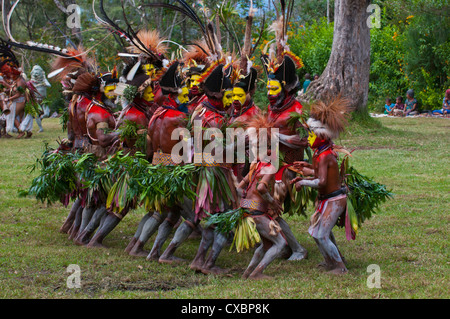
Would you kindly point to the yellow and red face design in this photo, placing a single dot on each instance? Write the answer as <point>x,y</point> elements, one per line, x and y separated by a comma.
<point>148,94</point>
<point>311,138</point>
<point>149,69</point>
<point>274,89</point>
<point>194,84</point>
<point>314,141</point>
<point>183,97</point>
<point>109,91</point>
<point>227,98</point>
<point>239,97</point>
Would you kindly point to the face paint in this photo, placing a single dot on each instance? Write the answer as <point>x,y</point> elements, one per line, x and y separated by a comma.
<point>274,90</point>
<point>194,84</point>
<point>108,91</point>
<point>148,94</point>
<point>149,69</point>
<point>311,138</point>
<point>227,98</point>
<point>239,97</point>
<point>314,141</point>
<point>273,87</point>
<point>183,97</point>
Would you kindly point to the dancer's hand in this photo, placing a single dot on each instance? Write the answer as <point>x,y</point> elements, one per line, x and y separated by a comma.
<point>276,207</point>
<point>295,180</point>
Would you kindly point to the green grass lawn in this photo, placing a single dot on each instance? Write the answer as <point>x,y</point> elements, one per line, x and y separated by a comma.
<point>408,239</point>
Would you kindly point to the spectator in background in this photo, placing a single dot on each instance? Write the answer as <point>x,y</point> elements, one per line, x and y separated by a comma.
<point>307,82</point>
<point>388,107</point>
<point>445,105</point>
<point>411,104</point>
<point>316,76</point>
<point>399,108</point>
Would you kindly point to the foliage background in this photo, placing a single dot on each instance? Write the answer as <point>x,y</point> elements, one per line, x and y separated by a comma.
<point>411,50</point>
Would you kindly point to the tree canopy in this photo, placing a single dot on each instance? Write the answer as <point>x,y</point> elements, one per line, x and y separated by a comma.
<point>411,49</point>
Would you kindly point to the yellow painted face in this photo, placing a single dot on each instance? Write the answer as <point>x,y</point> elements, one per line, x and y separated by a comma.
<point>239,95</point>
<point>108,91</point>
<point>183,97</point>
<point>149,69</point>
<point>148,94</point>
<point>273,87</point>
<point>227,98</point>
<point>312,138</point>
<point>194,81</point>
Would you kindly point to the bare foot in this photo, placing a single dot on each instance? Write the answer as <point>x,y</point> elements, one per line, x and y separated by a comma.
<point>131,245</point>
<point>80,242</point>
<point>20,135</point>
<point>170,260</point>
<point>338,271</point>
<point>153,256</point>
<point>64,229</point>
<point>138,249</point>
<point>196,266</point>
<point>298,256</point>
<point>259,276</point>
<point>138,252</point>
<point>324,266</point>
<point>96,244</point>
<point>246,273</point>
<point>214,270</point>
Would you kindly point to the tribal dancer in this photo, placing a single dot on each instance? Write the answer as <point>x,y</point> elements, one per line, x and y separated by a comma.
<point>142,47</point>
<point>94,92</point>
<point>212,198</point>
<point>326,121</point>
<point>15,87</point>
<point>245,77</point>
<point>244,80</point>
<point>196,62</point>
<point>257,191</point>
<point>213,115</point>
<point>163,123</point>
<point>280,66</point>
<point>40,82</point>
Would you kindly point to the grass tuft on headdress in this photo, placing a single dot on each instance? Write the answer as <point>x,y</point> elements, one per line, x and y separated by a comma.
<point>333,113</point>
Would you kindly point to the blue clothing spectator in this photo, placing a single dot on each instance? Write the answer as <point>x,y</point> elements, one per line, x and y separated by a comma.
<point>307,82</point>
<point>388,107</point>
<point>445,104</point>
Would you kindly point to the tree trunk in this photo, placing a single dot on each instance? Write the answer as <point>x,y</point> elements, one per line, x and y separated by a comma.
<point>76,32</point>
<point>347,71</point>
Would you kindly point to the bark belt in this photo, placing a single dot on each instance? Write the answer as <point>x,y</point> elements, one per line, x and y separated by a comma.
<point>342,190</point>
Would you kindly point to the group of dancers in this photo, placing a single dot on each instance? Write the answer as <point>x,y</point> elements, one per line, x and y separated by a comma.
<point>21,101</point>
<point>153,96</point>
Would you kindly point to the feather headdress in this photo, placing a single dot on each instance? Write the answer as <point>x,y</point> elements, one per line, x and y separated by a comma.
<point>196,58</point>
<point>63,67</point>
<point>68,59</point>
<point>151,40</point>
<point>7,56</point>
<point>328,117</point>
<point>209,35</point>
<point>279,62</point>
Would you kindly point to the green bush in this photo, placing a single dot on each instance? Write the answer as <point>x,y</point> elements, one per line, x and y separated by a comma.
<point>312,43</point>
